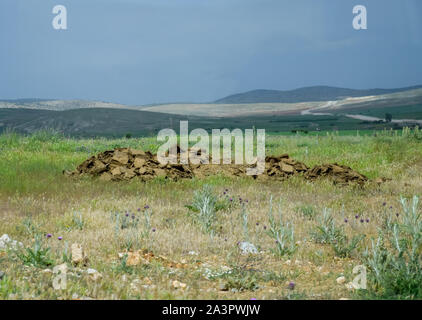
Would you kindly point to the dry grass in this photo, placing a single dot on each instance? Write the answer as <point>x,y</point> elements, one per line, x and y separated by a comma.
<point>34,193</point>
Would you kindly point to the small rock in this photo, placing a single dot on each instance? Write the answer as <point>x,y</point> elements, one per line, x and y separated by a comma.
<point>78,254</point>
<point>223,287</point>
<point>47,271</point>
<point>288,262</point>
<point>341,280</point>
<point>247,248</point>
<point>75,296</point>
<point>193,253</point>
<point>7,243</point>
<point>178,285</point>
<point>94,275</point>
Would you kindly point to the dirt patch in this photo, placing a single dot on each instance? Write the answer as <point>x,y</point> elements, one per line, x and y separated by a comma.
<point>126,164</point>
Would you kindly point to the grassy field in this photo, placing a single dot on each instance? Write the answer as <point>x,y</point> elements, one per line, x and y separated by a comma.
<point>118,123</point>
<point>201,259</point>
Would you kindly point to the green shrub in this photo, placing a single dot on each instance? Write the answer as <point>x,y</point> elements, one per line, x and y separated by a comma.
<point>37,256</point>
<point>327,232</point>
<point>395,258</point>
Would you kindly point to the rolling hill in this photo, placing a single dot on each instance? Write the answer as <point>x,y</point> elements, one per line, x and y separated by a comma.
<point>60,105</point>
<point>346,110</point>
<point>87,121</point>
<point>307,94</point>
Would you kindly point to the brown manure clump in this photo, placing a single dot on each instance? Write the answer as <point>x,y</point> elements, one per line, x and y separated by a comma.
<point>126,163</point>
<point>338,173</point>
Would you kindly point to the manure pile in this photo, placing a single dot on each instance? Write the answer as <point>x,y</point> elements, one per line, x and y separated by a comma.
<point>126,163</point>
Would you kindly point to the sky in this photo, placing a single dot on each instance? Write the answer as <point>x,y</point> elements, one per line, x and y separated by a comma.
<point>155,51</point>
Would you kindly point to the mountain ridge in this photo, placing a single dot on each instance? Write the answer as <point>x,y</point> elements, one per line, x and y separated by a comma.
<point>305,94</point>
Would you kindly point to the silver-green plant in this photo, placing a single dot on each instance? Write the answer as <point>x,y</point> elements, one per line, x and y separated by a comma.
<point>282,233</point>
<point>244,216</point>
<point>204,205</point>
<point>78,220</point>
<point>395,258</point>
<point>327,232</point>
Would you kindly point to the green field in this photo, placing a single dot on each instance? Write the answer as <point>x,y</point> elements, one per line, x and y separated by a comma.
<point>114,123</point>
<point>399,112</point>
<point>36,199</point>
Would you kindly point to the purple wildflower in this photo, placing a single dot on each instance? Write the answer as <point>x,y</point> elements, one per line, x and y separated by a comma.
<point>362,221</point>
<point>291,285</point>
<point>49,235</point>
<point>60,238</point>
<point>346,220</point>
<point>153,229</point>
<point>357,216</point>
<point>146,206</point>
<point>367,220</point>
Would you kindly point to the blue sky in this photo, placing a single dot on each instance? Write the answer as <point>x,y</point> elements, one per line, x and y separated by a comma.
<point>153,51</point>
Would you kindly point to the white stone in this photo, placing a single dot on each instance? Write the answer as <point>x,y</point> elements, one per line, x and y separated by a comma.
<point>94,274</point>
<point>341,280</point>
<point>7,243</point>
<point>78,255</point>
<point>247,248</point>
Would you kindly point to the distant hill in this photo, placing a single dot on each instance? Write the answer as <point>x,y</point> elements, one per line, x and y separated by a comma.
<point>87,121</point>
<point>60,105</point>
<point>308,94</point>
